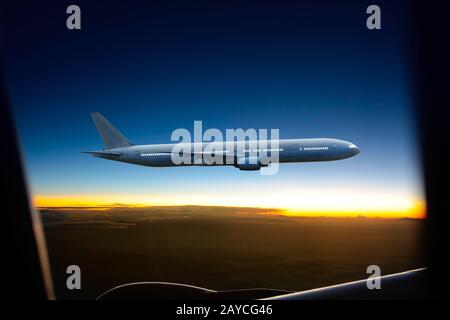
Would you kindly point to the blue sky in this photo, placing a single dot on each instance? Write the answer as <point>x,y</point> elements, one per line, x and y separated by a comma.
<point>309,69</point>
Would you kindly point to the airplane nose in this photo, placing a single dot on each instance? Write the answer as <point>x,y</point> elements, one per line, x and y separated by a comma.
<point>354,149</point>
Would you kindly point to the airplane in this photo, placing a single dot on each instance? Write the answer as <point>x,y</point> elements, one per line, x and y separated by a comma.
<point>240,154</point>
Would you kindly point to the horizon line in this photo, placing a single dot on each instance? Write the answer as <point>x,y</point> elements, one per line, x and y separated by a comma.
<point>282,211</point>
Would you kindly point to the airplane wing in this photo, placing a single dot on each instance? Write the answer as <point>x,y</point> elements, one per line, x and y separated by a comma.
<point>404,285</point>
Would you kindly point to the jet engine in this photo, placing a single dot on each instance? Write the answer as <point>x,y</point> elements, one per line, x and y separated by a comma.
<point>249,163</point>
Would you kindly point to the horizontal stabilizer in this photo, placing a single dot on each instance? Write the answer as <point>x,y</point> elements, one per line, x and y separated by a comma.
<point>104,153</point>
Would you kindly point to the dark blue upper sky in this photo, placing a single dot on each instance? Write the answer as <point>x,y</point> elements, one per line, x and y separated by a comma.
<point>311,69</point>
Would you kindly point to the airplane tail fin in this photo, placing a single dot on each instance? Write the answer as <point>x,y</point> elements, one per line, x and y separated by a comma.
<point>110,135</point>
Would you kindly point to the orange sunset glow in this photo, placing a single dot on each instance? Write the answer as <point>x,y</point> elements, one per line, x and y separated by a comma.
<point>312,204</point>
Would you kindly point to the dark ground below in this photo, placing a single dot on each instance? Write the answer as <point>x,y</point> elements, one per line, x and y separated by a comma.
<point>222,248</point>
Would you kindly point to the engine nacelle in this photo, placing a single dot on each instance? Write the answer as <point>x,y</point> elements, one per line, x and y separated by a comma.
<point>249,163</point>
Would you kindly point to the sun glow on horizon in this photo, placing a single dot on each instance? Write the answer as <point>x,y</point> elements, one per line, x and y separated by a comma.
<point>294,203</point>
